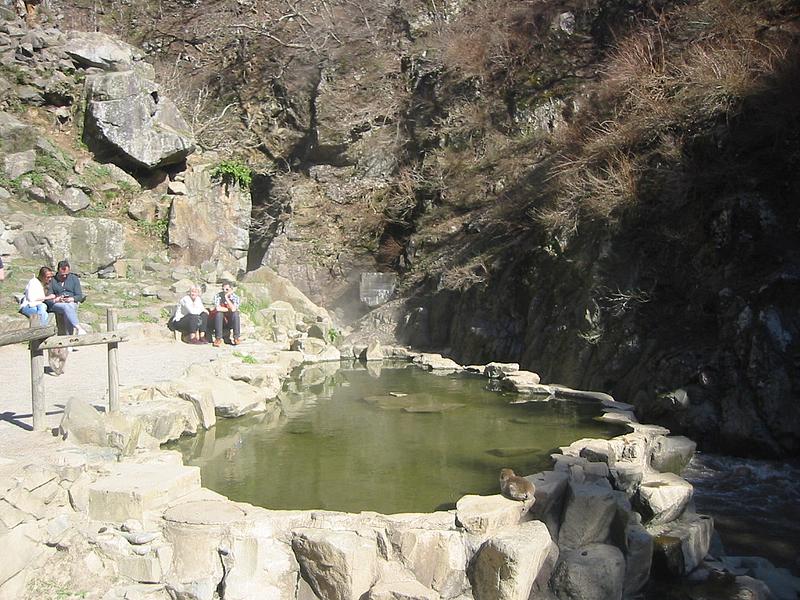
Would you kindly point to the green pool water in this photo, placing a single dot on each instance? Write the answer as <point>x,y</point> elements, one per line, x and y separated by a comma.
<point>403,441</point>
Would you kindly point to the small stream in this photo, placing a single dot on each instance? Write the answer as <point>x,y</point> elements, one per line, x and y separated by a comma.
<point>387,440</point>
<point>755,505</point>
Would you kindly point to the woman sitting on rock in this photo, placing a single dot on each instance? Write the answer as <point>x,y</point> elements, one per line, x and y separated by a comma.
<point>191,317</point>
<point>33,299</point>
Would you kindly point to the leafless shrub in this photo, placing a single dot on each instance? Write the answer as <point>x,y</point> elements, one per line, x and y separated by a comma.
<point>401,199</point>
<point>464,277</point>
<point>619,302</point>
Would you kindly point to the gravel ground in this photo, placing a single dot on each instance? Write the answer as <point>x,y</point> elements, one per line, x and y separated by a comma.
<point>141,362</point>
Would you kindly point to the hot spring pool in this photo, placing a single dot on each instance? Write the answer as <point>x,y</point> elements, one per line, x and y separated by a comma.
<point>404,441</point>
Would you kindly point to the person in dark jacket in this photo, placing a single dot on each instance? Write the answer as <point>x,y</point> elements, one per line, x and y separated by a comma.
<point>226,312</point>
<point>66,287</point>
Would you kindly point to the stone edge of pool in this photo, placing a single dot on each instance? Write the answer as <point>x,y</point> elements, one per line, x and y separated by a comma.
<point>132,518</point>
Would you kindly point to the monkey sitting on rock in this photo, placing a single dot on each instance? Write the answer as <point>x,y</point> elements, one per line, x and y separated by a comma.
<point>514,487</point>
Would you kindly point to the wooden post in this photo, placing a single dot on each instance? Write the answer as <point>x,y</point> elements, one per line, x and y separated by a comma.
<point>113,364</point>
<point>38,404</point>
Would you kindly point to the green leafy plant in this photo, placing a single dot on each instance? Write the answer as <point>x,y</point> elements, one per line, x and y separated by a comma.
<point>232,172</point>
<point>250,307</point>
<point>68,594</point>
<point>147,318</point>
<point>155,229</point>
<point>127,188</point>
<point>333,335</point>
<point>11,185</point>
<point>96,174</point>
<point>247,359</point>
<point>56,165</point>
<point>35,177</point>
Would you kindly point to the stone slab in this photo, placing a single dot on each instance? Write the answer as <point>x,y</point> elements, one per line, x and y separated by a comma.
<point>131,490</point>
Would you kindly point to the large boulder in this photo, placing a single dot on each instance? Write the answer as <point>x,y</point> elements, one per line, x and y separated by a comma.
<point>15,136</point>
<point>129,121</point>
<point>90,244</point>
<point>280,288</point>
<point>672,453</point>
<point>315,350</point>
<point>628,534</point>
<point>549,487</point>
<point>525,382</point>
<point>84,424</point>
<point>162,413</point>
<point>662,497</point>
<point>260,566</point>
<point>436,362</point>
<point>95,49</point>
<point>508,565</point>
<point>591,572</point>
<point>210,221</point>
<point>230,398</point>
<point>336,564</point>
<point>197,531</point>
<point>485,514</point>
<point>131,490</point>
<point>589,512</point>
<point>438,558</point>
<point>279,318</point>
<point>19,163</point>
<point>679,546</point>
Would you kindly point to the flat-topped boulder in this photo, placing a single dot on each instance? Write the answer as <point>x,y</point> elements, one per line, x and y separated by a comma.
<point>662,497</point>
<point>567,393</point>
<point>672,453</point>
<point>484,514</point>
<point>434,362</point>
<point>162,413</point>
<point>130,490</point>
<point>681,545</point>
<point>95,49</point>
<point>496,370</point>
<point>593,450</point>
<point>525,382</point>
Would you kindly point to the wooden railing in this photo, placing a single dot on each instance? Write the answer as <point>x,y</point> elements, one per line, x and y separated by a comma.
<point>43,337</point>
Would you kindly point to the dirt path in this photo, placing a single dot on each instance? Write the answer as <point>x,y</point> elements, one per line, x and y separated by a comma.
<point>141,362</point>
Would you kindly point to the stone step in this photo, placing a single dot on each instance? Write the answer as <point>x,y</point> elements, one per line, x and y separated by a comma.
<point>131,490</point>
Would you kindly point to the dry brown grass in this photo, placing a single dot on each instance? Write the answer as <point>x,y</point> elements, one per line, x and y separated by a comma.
<point>497,40</point>
<point>655,86</point>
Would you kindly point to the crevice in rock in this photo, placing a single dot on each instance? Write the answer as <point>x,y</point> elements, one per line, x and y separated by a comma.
<point>266,220</point>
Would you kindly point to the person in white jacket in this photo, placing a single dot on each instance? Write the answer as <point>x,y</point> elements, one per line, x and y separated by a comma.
<point>191,317</point>
<point>33,300</point>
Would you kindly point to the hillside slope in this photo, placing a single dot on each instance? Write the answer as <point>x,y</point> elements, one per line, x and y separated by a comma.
<point>601,190</point>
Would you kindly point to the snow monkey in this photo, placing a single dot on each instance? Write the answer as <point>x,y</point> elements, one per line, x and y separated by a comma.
<point>515,487</point>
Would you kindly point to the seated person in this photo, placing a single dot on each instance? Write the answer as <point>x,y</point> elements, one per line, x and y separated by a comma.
<point>191,317</point>
<point>33,299</point>
<point>226,311</point>
<point>66,289</point>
